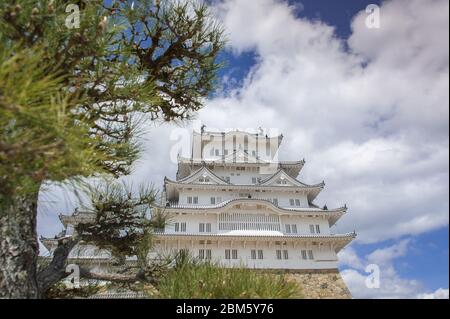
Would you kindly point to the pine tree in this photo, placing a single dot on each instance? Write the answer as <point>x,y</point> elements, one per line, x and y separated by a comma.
<point>73,92</point>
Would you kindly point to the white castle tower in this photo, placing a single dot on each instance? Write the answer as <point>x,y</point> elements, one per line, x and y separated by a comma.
<point>233,203</point>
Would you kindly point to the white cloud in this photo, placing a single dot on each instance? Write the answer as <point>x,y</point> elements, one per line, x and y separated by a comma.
<point>384,256</point>
<point>437,294</point>
<point>391,284</point>
<point>349,257</point>
<point>376,132</point>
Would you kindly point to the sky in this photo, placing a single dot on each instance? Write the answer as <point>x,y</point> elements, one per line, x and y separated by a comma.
<point>367,108</point>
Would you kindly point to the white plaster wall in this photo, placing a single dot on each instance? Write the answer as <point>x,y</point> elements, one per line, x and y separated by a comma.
<point>204,197</point>
<point>88,251</point>
<point>324,257</point>
<point>216,144</point>
<point>192,221</point>
<point>304,222</point>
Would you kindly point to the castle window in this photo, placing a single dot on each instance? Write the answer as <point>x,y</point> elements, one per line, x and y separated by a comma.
<point>253,180</point>
<point>285,254</point>
<point>260,254</point>
<point>318,229</point>
<point>311,229</point>
<point>208,253</point>
<point>310,254</point>
<point>213,200</point>
<point>201,228</point>
<point>195,199</point>
<point>227,254</point>
<point>291,202</point>
<point>288,228</point>
<point>294,228</point>
<point>208,227</point>
<point>189,199</point>
<point>201,254</point>
<point>304,256</point>
<point>278,254</point>
<point>253,254</point>
<point>275,201</point>
<point>297,202</point>
<point>234,254</point>
<point>180,227</point>
<point>249,221</point>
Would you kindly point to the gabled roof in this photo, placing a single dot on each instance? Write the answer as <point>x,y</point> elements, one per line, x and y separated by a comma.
<point>241,155</point>
<point>202,172</point>
<point>281,174</point>
<point>313,190</point>
<point>187,165</point>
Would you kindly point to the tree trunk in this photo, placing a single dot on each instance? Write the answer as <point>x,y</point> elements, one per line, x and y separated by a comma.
<point>56,270</point>
<point>19,250</point>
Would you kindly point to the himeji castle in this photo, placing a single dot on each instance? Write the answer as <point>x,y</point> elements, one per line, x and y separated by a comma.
<point>234,203</point>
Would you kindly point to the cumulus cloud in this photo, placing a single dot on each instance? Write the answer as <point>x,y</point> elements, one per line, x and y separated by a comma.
<point>370,115</point>
<point>437,294</point>
<point>381,263</point>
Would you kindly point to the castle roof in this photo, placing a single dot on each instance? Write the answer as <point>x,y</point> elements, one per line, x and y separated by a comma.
<point>238,132</point>
<point>339,241</point>
<point>332,215</point>
<point>268,184</point>
<point>187,165</point>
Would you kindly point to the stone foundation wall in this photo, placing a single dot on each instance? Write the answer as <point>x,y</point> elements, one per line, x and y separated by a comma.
<point>321,284</point>
<point>318,284</point>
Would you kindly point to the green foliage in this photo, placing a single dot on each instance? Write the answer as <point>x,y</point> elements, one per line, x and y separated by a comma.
<point>177,42</point>
<point>207,280</point>
<point>37,139</point>
<point>122,223</point>
<point>74,100</point>
<point>81,95</point>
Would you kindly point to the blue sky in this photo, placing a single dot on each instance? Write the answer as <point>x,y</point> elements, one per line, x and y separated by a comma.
<point>367,109</point>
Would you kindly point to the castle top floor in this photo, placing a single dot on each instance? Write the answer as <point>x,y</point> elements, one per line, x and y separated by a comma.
<point>216,146</point>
